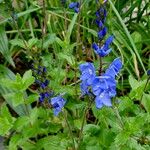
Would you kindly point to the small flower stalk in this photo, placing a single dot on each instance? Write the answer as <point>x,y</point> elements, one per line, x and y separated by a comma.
<point>102,86</point>
<point>45,94</point>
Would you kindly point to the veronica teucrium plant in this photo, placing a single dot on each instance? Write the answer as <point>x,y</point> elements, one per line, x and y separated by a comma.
<point>102,86</point>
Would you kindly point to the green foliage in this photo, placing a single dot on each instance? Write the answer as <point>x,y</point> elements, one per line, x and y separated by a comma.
<point>6,120</point>
<point>4,49</point>
<point>19,85</point>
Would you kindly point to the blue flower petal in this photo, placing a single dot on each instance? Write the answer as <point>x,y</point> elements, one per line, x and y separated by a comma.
<point>114,68</point>
<point>57,103</point>
<point>72,5</point>
<point>102,33</point>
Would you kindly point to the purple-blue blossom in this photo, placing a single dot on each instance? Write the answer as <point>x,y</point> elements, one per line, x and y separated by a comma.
<point>104,86</point>
<point>75,6</point>
<point>103,83</point>
<point>114,68</point>
<point>102,33</point>
<point>105,49</point>
<point>57,104</point>
<point>87,76</point>
<point>103,100</point>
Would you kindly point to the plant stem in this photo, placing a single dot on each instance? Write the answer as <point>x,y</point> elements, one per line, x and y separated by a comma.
<point>100,65</point>
<point>70,130</point>
<point>118,116</point>
<point>82,125</point>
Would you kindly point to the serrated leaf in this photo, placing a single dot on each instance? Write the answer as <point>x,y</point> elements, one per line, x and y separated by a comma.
<point>91,129</point>
<point>6,120</point>
<point>52,142</point>
<point>133,82</point>
<point>32,42</point>
<point>122,138</point>
<point>27,79</point>
<point>15,142</point>
<point>31,98</point>
<point>69,58</point>
<point>34,115</point>
<point>146,102</point>
<point>7,74</point>
<point>17,42</point>
<point>20,123</point>
<point>16,98</point>
<point>49,39</point>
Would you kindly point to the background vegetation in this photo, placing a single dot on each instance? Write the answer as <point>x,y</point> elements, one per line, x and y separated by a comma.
<point>50,34</point>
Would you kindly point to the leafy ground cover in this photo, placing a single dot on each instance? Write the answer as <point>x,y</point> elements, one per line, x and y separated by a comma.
<point>74,75</point>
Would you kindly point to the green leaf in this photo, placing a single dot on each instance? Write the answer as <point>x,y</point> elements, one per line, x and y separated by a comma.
<point>133,82</point>
<point>16,98</point>
<point>15,142</point>
<point>27,79</point>
<point>49,39</point>
<point>6,74</point>
<point>137,38</point>
<point>70,28</point>
<point>20,123</point>
<point>6,120</point>
<point>52,143</point>
<point>122,138</point>
<point>69,58</point>
<point>31,98</point>
<point>34,115</point>
<point>91,129</point>
<point>17,42</point>
<point>4,46</point>
<point>32,42</point>
<point>146,102</point>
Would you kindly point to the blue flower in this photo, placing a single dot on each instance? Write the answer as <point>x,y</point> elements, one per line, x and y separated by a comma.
<point>57,104</point>
<point>75,6</point>
<point>44,69</point>
<point>104,88</point>
<point>88,72</point>
<point>101,16</point>
<point>105,49</point>
<point>103,83</point>
<point>99,23</point>
<point>102,33</point>
<point>84,88</point>
<point>108,41</point>
<point>44,84</point>
<point>103,100</point>
<point>87,76</point>
<point>114,68</point>
<point>101,51</point>
<point>42,97</point>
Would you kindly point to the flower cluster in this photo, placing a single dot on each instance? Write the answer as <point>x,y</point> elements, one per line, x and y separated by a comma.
<point>75,6</point>
<point>40,73</point>
<point>102,49</point>
<point>103,86</point>
<point>45,94</point>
